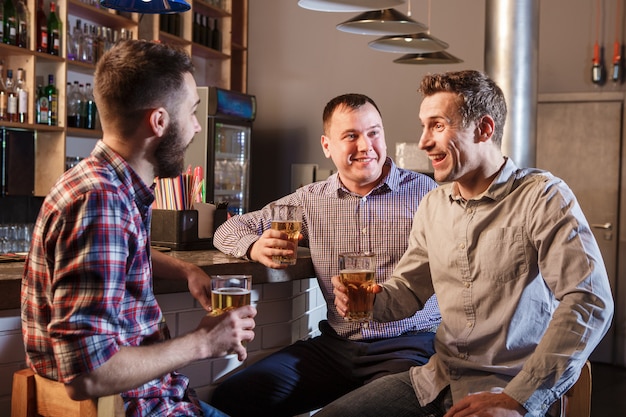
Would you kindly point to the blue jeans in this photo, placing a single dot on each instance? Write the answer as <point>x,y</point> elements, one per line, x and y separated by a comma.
<point>310,374</point>
<point>210,411</point>
<point>391,395</point>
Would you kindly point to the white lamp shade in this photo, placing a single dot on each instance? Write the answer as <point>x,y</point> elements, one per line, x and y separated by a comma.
<point>348,5</point>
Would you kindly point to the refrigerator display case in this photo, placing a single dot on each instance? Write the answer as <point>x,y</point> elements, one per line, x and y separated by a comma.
<point>222,147</point>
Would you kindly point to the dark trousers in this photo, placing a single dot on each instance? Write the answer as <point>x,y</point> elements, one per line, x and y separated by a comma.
<point>309,374</point>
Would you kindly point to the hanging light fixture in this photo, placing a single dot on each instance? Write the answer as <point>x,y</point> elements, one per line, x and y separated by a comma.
<point>406,44</point>
<point>441,57</point>
<point>381,22</point>
<point>147,6</point>
<point>416,43</point>
<point>348,5</point>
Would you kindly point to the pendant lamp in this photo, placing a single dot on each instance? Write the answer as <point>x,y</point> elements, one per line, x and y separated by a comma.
<point>147,6</point>
<point>348,5</point>
<point>382,22</point>
<point>441,57</point>
<point>407,44</point>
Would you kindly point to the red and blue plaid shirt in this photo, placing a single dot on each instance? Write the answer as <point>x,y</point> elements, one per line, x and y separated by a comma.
<point>87,284</point>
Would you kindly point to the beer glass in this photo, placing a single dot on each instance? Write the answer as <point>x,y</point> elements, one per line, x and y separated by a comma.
<point>229,292</point>
<point>287,219</point>
<point>357,272</point>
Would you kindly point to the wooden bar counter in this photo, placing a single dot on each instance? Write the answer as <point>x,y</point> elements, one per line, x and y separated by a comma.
<point>213,262</point>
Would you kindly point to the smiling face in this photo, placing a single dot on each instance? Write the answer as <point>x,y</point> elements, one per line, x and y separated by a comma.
<point>449,145</point>
<point>355,141</point>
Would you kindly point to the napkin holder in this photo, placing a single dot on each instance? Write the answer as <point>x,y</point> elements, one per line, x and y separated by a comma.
<point>178,229</point>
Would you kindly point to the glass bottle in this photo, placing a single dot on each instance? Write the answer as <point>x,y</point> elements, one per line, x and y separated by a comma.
<point>12,98</point>
<point>52,95</point>
<point>54,31</point>
<point>42,107</point>
<point>23,24</point>
<point>1,20</point>
<point>22,97</point>
<point>42,28</point>
<point>4,95</point>
<point>216,37</point>
<point>10,23</point>
<point>90,113</point>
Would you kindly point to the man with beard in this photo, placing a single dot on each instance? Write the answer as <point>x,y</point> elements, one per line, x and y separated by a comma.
<point>89,316</point>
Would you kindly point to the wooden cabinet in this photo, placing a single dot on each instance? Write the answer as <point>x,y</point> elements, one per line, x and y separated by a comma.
<point>226,68</point>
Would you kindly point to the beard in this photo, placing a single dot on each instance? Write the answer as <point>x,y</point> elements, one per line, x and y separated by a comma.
<point>170,154</point>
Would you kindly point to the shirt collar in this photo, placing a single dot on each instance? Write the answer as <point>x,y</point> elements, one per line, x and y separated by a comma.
<point>499,187</point>
<point>389,183</point>
<point>141,193</point>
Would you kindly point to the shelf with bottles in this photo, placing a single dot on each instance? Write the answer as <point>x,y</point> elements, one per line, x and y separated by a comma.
<point>105,17</point>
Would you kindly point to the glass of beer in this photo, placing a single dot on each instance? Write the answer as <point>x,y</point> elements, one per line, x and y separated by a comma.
<point>357,272</point>
<point>229,292</point>
<point>287,219</point>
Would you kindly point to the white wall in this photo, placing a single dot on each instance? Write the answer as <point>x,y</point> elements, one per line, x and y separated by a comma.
<point>298,61</point>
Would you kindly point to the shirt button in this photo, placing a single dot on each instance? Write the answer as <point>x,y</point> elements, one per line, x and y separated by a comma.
<point>364,230</point>
<point>469,324</point>
<point>467,284</point>
<point>462,246</point>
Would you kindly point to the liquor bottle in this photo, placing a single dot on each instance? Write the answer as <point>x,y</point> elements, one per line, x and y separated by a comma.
<point>206,31</point>
<point>23,25</point>
<point>22,97</point>
<point>216,37</point>
<point>42,28</point>
<point>10,23</point>
<point>54,31</point>
<point>42,106</point>
<point>4,95</point>
<point>1,20</point>
<point>90,113</point>
<point>74,105</point>
<point>52,95</point>
<point>11,98</point>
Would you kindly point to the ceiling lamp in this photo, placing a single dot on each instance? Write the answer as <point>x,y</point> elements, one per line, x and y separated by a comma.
<point>381,22</point>
<point>441,57</point>
<point>147,6</point>
<point>406,44</point>
<point>348,5</point>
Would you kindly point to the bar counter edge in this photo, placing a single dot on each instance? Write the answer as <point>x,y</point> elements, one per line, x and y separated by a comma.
<point>213,262</point>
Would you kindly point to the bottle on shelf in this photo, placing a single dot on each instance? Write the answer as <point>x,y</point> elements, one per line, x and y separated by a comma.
<point>11,98</point>
<point>74,42</point>
<point>10,23</point>
<point>22,97</point>
<point>54,31</point>
<point>41,106</point>
<point>216,37</point>
<point>74,105</point>
<point>206,31</point>
<point>86,46</point>
<point>23,24</point>
<point>42,28</point>
<point>4,95</point>
<point>90,112</point>
<point>52,95</point>
<point>2,20</point>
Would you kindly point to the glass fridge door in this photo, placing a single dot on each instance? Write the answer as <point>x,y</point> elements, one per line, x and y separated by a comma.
<point>232,151</point>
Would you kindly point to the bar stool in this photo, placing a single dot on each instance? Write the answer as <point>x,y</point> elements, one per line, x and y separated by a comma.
<point>578,398</point>
<point>36,396</point>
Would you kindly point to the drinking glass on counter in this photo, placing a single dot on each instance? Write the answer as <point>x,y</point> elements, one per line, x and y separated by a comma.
<point>287,219</point>
<point>357,272</point>
<point>229,292</point>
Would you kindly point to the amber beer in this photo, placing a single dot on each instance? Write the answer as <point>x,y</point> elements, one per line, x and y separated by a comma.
<point>224,299</point>
<point>287,219</point>
<point>357,272</point>
<point>292,229</point>
<point>360,295</point>
<point>229,292</point>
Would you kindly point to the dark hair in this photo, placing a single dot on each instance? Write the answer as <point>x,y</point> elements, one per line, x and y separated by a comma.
<point>138,75</point>
<point>478,96</point>
<point>352,100</point>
